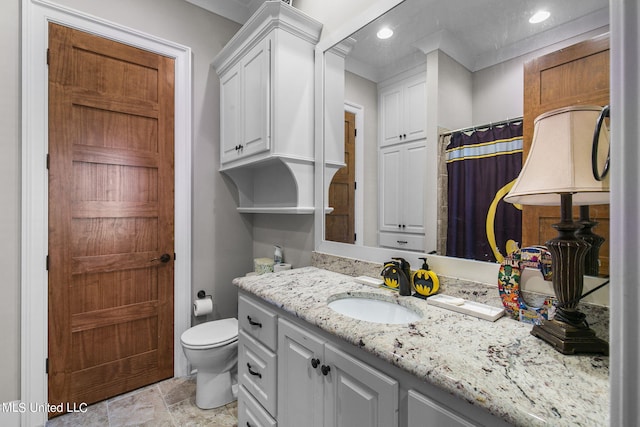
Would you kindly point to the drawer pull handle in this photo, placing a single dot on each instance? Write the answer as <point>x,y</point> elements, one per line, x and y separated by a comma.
<point>251,322</point>
<point>325,370</point>
<point>252,372</point>
<point>402,242</point>
<point>315,363</point>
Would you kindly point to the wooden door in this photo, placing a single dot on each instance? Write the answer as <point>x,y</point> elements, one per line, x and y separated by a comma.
<point>577,75</point>
<point>340,225</point>
<point>111,220</point>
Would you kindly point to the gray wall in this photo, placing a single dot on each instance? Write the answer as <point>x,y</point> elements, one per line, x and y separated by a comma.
<point>10,196</point>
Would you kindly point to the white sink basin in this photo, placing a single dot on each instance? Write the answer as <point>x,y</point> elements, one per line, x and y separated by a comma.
<point>374,310</point>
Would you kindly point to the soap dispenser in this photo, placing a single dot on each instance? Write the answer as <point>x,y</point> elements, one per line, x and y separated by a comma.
<point>425,281</point>
<point>395,277</point>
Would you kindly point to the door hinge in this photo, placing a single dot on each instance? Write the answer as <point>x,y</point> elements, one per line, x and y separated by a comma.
<point>174,256</point>
<point>47,161</point>
<point>46,365</point>
<point>355,237</point>
<point>355,132</point>
<point>47,262</point>
<point>48,53</point>
<point>355,185</point>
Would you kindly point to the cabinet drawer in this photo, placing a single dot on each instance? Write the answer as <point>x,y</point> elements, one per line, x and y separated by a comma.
<point>250,413</point>
<point>257,371</point>
<point>411,242</point>
<point>258,321</point>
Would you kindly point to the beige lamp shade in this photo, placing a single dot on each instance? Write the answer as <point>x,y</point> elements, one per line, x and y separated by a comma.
<point>560,160</point>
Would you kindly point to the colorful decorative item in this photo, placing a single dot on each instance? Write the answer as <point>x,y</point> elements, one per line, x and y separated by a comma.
<point>537,257</point>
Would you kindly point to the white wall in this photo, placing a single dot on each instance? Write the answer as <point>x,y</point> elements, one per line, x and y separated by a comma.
<point>365,93</point>
<point>10,196</point>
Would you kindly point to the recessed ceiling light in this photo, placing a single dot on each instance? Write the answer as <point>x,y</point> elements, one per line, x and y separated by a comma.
<point>539,16</point>
<point>385,33</point>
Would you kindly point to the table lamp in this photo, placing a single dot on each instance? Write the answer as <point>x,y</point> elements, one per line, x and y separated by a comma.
<point>558,171</point>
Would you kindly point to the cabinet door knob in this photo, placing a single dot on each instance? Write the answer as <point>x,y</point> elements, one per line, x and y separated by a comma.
<point>252,372</point>
<point>252,323</point>
<point>325,370</point>
<point>315,363</point>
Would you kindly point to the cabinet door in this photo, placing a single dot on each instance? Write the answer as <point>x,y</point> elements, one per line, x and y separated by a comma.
<point>424,412</point>
<point>256,97</point>
<point>414,159</point>
<point>357,395</point>
<point>390,189</point>
<point>230,114</point>
<point>390,116</point>
<point>415,109</point>
<point>300,385</point>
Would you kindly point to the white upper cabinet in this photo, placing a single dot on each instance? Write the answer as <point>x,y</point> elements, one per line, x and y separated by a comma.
<point>244,102</point>
<point>267,110</point>
<point>403,110</point>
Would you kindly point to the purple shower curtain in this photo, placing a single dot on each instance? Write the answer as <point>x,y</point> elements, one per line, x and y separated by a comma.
<point>480,166</point>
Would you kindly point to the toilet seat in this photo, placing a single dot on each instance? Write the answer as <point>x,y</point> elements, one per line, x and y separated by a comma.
<point>217,333</point>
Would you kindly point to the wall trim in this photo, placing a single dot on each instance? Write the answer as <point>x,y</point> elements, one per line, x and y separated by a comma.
<point>36,14</point>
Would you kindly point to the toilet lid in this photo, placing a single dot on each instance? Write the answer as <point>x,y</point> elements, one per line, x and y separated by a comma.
<point>211,334</point>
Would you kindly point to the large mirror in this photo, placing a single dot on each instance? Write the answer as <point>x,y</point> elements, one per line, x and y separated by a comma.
<point>449,66</point>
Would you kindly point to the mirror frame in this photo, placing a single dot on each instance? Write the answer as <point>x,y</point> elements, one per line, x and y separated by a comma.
<point>456,267</point>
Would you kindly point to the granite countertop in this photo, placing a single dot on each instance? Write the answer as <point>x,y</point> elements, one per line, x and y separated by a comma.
<point>498,366</point>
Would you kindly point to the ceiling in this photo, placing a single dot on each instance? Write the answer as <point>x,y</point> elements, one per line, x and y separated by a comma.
<point>476,33</point>
<point>235,10</point>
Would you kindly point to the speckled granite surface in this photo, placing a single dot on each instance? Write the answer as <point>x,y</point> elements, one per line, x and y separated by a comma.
<point>498,365</point>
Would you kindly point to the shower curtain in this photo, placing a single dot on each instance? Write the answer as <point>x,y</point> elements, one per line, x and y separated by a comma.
<point>481,167</point>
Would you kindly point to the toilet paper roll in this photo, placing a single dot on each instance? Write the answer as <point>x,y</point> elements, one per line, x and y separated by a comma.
<point>281,267</point>
<point>202,307</point>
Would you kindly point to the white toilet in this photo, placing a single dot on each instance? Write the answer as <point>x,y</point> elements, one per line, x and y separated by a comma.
<point>212,349</point>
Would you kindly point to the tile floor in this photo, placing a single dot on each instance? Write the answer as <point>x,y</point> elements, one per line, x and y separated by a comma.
<point>169,403</point>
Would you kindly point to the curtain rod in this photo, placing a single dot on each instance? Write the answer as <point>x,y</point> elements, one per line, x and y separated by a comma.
<point>467,129</point>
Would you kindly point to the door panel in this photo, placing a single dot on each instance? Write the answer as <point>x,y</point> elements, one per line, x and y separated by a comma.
<point>111,190</point>
<point>577,75</point>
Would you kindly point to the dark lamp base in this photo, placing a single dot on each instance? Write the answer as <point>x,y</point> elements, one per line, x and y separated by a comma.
<point>568,339</point>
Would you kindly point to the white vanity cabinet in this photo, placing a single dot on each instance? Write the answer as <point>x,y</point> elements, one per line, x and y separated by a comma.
<point>403,110</point>
<point>257,363</point>
<point>325,386</point>
<point>266,76</point>
<point>402,179</point>
<point>299,374</point>
<point>425,412</point>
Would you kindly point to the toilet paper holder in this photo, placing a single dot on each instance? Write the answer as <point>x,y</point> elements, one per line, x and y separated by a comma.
<point>202,295</point>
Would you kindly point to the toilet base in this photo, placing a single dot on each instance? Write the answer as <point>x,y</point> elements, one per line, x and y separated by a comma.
<point>213,389</point>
